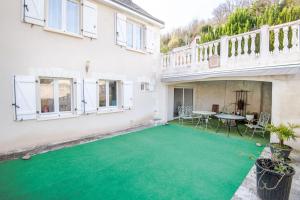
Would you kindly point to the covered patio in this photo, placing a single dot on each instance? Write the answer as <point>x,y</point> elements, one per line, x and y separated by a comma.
<point>235,97</point>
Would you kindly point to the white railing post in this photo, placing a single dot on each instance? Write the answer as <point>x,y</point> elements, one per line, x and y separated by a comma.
<point>285,39</point>
<point>264,41</point>
<point>295,38</point>
<point>223,51</point>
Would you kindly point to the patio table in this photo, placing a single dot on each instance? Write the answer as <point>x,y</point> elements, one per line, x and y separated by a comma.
<point>203,115</point>
<point>228,118</point>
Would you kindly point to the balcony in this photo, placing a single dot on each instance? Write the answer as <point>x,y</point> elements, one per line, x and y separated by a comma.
<point>270,50</point>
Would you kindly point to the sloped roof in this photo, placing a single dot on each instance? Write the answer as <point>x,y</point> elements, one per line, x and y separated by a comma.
<point>136,8</point>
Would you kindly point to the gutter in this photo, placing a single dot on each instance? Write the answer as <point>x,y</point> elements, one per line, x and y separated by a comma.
<point>126,8</point>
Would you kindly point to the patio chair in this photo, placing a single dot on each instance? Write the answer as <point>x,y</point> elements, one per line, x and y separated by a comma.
<point>260,126</point>
<point>185,113</point>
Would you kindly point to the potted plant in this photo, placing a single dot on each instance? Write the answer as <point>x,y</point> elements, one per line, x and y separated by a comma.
<point>249,117</point>
<point>284,133</point>
<point>273,178</point>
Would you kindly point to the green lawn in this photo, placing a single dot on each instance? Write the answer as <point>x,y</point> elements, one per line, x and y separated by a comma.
<point>165,162</point>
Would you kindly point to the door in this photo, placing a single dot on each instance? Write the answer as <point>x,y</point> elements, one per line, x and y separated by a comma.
<point>182,97</point>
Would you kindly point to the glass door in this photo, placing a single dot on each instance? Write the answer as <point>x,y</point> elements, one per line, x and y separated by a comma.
<point>182,97</point>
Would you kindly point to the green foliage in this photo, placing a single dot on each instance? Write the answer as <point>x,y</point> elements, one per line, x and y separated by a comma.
<point>241,20</point>
<point>284,132</point>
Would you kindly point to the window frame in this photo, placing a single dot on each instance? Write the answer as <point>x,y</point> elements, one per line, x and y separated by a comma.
<point>107,92</point>
<point>64,19</point>
<point>56,111</point>
<point>145,86</point>
<point>134,37</point>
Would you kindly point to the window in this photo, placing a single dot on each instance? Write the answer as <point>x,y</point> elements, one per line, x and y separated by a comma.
<point>108,93</point>
<point>64,15</point>
<point>55,95</point>
<point>134,36</point>
<point>145,86</point>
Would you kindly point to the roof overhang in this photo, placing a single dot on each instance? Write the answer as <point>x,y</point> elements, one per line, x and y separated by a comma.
<point>244,72</point>
<point>135,13</point>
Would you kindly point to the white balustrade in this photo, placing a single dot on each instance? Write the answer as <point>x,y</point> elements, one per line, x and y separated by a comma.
<point>245,53</point>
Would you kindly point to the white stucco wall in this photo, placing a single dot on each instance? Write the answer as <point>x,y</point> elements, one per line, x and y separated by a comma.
<point>26,49</point>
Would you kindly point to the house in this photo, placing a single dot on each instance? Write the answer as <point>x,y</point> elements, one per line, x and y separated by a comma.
<point>74,68</point>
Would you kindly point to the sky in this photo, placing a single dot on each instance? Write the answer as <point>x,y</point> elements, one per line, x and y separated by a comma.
<point>178,13</point>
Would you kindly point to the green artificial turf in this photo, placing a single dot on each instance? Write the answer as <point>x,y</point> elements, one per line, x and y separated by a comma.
<point>165,162</point>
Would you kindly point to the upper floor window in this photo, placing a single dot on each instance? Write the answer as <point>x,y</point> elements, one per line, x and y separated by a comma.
<point>108,93</point>
<point>64,15</point>
<point>55,95</point>
<point>134,35</point>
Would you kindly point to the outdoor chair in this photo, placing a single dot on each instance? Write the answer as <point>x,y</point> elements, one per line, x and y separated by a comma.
<point>260,126</point>
<point>185,113</point>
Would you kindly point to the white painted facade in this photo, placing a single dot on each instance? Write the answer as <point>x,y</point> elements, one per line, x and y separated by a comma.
<point>31,50</point>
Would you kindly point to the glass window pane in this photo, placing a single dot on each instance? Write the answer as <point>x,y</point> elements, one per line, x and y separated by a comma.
<point>55,14</point>
<point>138,37</point>
<point>112,93</point>
<point>65,88</point>
<point>47,95</point>
<point>129,35</point>
<point>73,16</point>
<point>102,93</point>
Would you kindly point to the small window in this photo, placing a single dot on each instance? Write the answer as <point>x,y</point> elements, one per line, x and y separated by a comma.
<point>64,15</point>
<point>145,86</point>
<point>134,36</point>
<point>55,95</point>
<point>108,93</point>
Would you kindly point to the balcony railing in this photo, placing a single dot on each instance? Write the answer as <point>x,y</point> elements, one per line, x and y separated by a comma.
<point>267,46</point>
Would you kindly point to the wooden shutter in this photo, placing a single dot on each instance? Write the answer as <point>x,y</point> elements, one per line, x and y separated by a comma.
<point>90,16</point>
<point>128,95</point>
<point>90,96</point>
<point>149,40</point>
<point>34,12</point>
<point>121,29</point>
<point>78,97</point>
<point>25,98</point>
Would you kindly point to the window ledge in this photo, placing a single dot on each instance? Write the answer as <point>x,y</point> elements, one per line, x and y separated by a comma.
<point>110,110</point>
<point>45,117</point>
<point>63,32</point>
<point>136,50</point>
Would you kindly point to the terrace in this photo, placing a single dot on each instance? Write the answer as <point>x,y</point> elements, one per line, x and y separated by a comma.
<point>270,50</point>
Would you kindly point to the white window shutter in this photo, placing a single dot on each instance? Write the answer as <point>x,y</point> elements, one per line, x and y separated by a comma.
<point>90,16</point>
<point>121,29</point>
<point>128,95</point>
<point>90,96</point>
<point>78,96</point>
<point>34,12</point>
<point>149,40</point>
<point>25,98</point>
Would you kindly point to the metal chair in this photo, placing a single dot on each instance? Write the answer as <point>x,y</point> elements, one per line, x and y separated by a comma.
<point>260,126</point>
<point>185,113</point>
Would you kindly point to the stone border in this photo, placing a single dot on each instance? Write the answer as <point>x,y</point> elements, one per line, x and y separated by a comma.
<point>68,143</point>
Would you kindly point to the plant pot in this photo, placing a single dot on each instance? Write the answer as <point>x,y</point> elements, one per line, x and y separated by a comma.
<point>250,118</point>
<point>270,184</point>
<point>283,152</point>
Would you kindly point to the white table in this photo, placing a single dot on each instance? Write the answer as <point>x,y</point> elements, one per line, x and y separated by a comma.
<point>203,115</point>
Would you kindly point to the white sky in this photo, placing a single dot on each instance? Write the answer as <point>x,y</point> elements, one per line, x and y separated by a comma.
<point>177,13</point>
